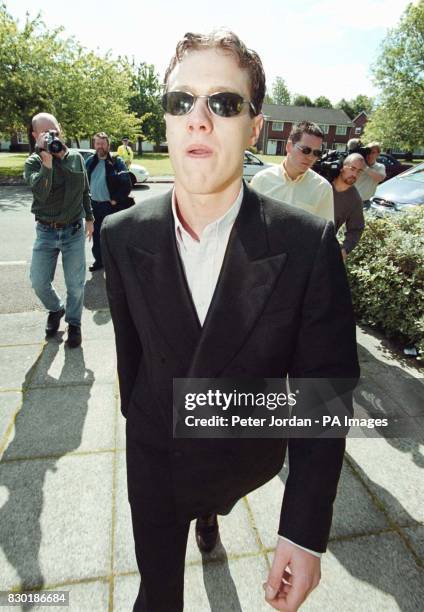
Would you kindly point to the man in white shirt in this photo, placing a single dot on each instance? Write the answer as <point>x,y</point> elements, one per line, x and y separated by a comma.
<point>293,181</point>
<point>212,281</point>
<point>373,174</point>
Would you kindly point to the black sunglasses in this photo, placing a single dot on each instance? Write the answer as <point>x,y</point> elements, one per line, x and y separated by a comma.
<point>308,150</point>
<point>223,104</point>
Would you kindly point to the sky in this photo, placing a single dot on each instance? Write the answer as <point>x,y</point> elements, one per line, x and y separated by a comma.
<point>319,47</point>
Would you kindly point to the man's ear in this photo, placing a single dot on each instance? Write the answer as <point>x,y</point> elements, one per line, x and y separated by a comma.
<point>289,146</point>
<point>257,123</point>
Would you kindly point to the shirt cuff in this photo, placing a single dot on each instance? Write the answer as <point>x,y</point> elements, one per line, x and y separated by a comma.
<point>312,552</point>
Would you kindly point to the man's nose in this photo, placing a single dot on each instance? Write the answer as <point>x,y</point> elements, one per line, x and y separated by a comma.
<point>200,117</point>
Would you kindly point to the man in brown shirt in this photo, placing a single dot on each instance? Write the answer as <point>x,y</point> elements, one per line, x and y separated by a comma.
<point>348,207</point>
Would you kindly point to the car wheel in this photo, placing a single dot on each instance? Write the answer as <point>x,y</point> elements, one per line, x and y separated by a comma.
<point>133,179</point>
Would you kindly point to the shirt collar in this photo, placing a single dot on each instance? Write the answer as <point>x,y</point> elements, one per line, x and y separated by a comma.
<point>284,174</point>
<point>219,226</point>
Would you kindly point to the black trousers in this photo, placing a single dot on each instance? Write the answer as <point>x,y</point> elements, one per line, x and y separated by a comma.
<point>160,541</point>
<point>100,211</point>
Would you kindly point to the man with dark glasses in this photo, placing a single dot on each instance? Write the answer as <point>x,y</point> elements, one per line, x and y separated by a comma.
<point>213,281</point>
<point>294,182</point>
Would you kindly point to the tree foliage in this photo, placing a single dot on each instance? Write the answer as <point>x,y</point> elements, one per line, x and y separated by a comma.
<point>145,101</point>
<point>41,71</point>
<point>398,120</point>
<point>353,107</point>
<point>280,92</point>
<point>322,102</point>
<point>301,100</point>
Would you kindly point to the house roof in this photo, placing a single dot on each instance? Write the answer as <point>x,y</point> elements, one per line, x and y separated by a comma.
<point>294,114</point>
<point>358,115</point>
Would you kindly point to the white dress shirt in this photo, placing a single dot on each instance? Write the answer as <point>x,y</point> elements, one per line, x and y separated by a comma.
<point>202,262</point>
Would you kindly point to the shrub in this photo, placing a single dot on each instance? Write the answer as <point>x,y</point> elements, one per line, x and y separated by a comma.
<point>386,275</point>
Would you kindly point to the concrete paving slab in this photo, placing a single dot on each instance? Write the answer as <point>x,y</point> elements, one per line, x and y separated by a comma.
<point>377,347</point>
<point>125,592</point>
<point>265,506</point>
<point>60,420</point>
<point>9,403</point>
<point>121,443</point>
<point>55,523</point>
<point>354,510</point>
<point>237,534</point>
<point>372,573</point>
<point>97,325</point>
<point>83,597</point>
<point>124,558</point>
<point>393,470</point>
<point>233,586</point>
<point>16,365</point>
<point>61,366</point>
<point>23,328</point>
<point>416,537</point>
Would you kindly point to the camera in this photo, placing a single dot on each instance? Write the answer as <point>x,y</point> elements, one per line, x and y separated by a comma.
<point>52,143</point>
<point>331,163</point>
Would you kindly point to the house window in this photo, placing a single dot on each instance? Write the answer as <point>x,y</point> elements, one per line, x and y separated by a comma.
<point>277,126</point>
<point>324,128</point>
<point>358,130</point>
<point>21,138</point>
<point>341,130</point>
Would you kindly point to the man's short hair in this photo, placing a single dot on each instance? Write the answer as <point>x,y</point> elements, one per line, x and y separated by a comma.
<point>229,42</point>
<point>352,157</point>
<point>102,135</point>
<point>374,145</point>
<point>305,127</point>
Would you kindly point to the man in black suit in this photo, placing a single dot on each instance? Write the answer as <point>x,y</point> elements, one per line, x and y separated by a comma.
<point>215,281</point>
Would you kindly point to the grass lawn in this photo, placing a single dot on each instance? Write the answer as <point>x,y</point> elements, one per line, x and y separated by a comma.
<point>12,164</point>
<point>156,164</point>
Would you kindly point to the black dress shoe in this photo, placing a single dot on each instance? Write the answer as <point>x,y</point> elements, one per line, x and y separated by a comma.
<point>207,532</point>
<point>95,266</point>
<point>74,336</point>
<point>53,322</point>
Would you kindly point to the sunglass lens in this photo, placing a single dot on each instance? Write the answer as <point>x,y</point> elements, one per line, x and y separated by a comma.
<point>226,104</point>
<point>177,102</point>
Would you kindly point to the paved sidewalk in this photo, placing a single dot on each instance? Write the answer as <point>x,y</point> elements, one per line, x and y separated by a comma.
<point>64,517</point>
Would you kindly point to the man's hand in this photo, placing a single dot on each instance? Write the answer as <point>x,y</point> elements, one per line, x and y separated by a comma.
<point>293,575</point>
<point>46,157</point>
<point>89,228</point>
<point>113,202</point>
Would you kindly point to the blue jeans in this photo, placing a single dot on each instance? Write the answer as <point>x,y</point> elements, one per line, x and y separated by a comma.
<point>49,242</point>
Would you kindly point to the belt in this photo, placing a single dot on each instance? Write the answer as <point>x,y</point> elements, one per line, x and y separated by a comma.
<point>54,225</point>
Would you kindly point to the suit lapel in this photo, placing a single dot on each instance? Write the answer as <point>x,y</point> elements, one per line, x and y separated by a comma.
<point>160,273</point>
<point>248,275</point>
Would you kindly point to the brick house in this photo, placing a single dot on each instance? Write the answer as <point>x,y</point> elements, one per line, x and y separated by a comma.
<point>359,122</point>
<point>279,120</point>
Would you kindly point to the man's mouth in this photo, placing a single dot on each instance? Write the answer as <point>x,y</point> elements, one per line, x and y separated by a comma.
<point>198,151</point>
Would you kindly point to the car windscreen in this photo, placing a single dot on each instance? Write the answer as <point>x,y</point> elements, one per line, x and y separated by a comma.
<point>414,174</point>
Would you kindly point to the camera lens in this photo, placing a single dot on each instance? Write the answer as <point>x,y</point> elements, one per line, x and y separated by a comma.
<point>55,146</point>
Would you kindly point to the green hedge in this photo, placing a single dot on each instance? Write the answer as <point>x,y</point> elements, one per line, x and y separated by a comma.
<point>386,274</point>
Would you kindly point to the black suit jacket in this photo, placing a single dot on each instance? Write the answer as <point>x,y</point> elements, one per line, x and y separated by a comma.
<point>282,305</point>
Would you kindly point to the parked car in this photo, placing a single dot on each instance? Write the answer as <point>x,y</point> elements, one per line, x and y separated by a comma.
<point>252,165</point>
<point>393,166</point>
<point>399,193</point>
<point>138,174</point>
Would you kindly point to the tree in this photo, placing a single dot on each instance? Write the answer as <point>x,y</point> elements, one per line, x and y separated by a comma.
<point>145,102</point>
<point>398,121</point>
<point>41,71</point>
<point>301,100</point>
<point>362,104</point>
<point>346,106</point>
<point>322,102</point>
<point>280,93</point>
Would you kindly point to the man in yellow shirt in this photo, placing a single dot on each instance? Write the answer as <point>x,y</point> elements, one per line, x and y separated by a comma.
<point>125,151</point>
<point>293,181</point>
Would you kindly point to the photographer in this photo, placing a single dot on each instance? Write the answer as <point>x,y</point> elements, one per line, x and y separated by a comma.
<point>373,174</point>
<point>59,185</point>
<point>348,207</point>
